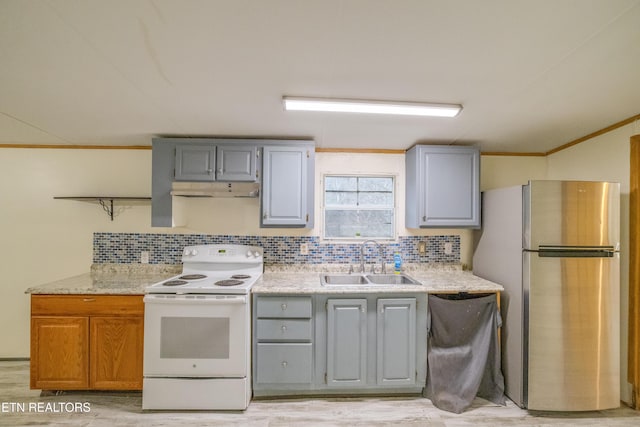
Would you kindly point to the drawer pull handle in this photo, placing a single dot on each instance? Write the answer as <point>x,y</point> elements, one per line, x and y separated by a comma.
<point>284,328</point>
<point>284,307</point>
<point>88,299</point>
<point>284,364</point>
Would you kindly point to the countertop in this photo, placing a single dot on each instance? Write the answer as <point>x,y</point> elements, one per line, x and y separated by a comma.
<point>433,279</point>
<point>110,279</point>
<point>131,279</point>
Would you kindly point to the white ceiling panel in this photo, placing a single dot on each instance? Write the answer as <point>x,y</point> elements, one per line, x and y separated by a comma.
<point>531,75</point>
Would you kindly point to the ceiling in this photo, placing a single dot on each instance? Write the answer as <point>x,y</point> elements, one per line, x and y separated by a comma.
<point>531,75</point>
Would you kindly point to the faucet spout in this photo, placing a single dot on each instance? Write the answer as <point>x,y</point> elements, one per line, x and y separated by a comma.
<point>381,250</point>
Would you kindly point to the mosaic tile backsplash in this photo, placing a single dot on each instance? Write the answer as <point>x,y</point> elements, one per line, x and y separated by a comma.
<point>125,248</point>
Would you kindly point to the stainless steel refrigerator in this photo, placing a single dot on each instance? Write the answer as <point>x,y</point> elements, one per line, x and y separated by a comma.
<point>554,246</point>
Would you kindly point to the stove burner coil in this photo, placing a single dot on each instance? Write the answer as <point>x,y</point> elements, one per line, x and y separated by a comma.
<point>175,283</point>
<point>192,277</point>
<point>229,282</point>
<point>240,276</point>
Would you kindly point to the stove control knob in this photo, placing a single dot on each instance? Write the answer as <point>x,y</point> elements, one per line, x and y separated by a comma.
<point>249,254</point>
<point>194,252</point>
<point>256,254</point>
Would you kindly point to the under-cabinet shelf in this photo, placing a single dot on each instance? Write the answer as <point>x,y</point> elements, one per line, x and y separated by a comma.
<point>106,201</point>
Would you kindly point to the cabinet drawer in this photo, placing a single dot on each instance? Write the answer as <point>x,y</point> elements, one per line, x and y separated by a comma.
<point>86,305</point>
<point>284,363</point>
<point>284,329</point>
<point>284,307</point>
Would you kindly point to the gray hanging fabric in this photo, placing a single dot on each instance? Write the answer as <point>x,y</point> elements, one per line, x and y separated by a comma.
<point>463,355</point>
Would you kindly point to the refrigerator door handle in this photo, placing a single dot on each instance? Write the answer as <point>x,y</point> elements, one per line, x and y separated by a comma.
<point>576,251</point>
<point>574,248</point>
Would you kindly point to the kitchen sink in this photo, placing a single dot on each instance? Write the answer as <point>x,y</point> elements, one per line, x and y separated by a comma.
<point>343,279</point>
<point>366,280</point>
<point>391,279</point>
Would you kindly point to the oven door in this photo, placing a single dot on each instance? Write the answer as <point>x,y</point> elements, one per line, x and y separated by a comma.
<point>196,335</point>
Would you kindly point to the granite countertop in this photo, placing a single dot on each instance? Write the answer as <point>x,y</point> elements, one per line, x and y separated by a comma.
<point>110,279</point>
<point>305,279</point>
<point>132,279</point>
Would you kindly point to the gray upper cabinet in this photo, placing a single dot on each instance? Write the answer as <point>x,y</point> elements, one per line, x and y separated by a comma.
<point>287,193</point>
<point>346,342</point>
<point>287,186</point>
<point>443,187</point>
<point>236,162</point>
<point>195,162</point>
<point>208,162</point>
<point>396,342</point>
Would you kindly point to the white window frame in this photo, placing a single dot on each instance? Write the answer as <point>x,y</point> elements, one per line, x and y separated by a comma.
<point>393,207</point>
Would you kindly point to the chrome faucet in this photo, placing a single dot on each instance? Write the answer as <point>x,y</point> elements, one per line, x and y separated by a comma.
<point>383,269</point>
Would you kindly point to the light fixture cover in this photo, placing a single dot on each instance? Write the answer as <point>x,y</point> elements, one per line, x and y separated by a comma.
<point>372,107</point>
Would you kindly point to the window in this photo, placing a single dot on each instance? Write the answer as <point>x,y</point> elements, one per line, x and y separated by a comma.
<point>357,207</point>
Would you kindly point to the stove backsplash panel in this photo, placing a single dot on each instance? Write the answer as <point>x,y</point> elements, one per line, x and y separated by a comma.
<point>125,248</point>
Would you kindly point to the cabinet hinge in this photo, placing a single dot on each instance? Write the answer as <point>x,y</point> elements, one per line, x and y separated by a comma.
<point>307,218</point>
<point>308,154</point>
<point>325,378</point>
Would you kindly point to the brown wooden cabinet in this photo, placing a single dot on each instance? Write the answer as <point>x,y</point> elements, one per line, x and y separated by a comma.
<point>86,342</point>
<point>59,352</point>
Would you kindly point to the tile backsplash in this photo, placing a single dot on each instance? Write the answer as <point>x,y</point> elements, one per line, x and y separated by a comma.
<point>125,248</point>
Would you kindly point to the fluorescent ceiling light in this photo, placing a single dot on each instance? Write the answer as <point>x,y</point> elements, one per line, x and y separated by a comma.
<point>372,107</point>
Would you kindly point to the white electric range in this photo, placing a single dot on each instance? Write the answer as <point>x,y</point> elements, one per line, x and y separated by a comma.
<point>197,331</point>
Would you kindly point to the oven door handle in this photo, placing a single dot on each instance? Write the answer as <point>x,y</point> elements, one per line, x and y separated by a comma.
<point>195,300</point>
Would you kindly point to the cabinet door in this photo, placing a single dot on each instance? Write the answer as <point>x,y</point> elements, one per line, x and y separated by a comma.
<point>396,341</point>
<point>284,363</point>
<point>284,187</point>
<point>346,342</point>
<point>116,353</point>
<point>195,162</point>
<point>236,163</point>
<point>59,353</point>
<point>443,187</point>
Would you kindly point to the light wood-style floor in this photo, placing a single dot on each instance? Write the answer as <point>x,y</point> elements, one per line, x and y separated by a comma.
<point>19,407</point>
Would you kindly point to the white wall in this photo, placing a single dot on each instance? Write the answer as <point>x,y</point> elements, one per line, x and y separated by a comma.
<point>507,171</point>
<point>605,158</point>
<point>45,239</point>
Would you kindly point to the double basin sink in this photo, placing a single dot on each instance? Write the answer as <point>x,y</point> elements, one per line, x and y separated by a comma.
<point>366,280</point>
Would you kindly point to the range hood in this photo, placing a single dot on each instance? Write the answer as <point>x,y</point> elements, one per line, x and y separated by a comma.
<point>215,189</point>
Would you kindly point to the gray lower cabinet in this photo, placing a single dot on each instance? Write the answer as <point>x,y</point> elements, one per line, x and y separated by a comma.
<point>442,186</point>
<point>396,341</point>
<point>333,343</point>
<point>346,342</point>
<point>392,330</point>
<point>279,363</point>
<point>282,343</point>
